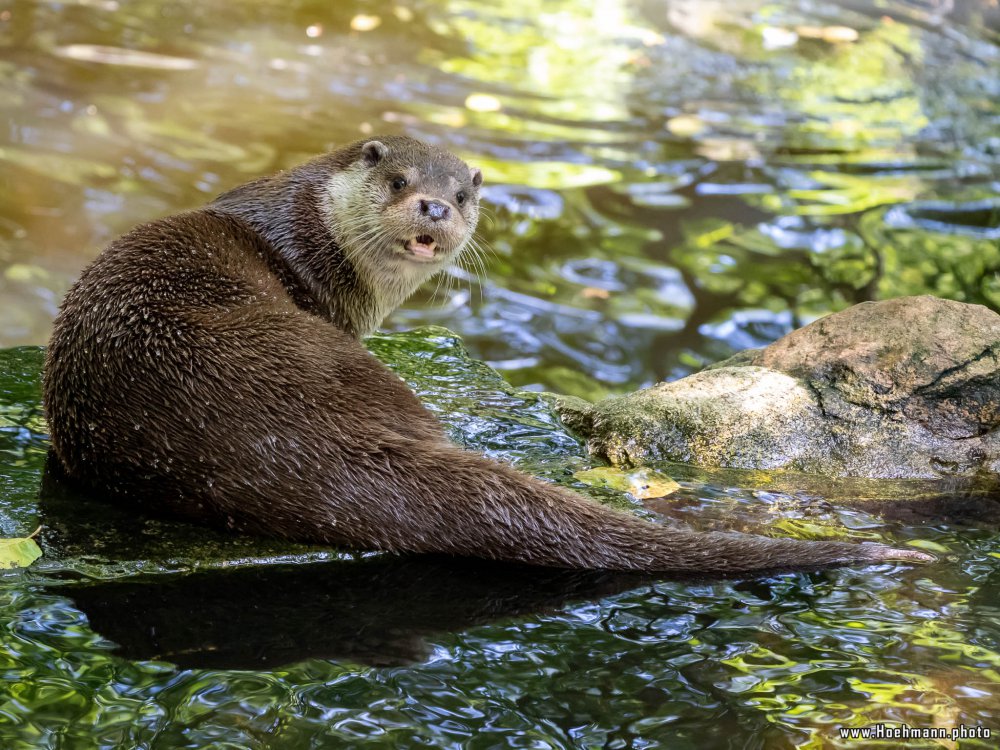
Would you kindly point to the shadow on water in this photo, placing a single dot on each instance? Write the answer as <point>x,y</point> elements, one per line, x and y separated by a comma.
<point>374,611</point>
<point>973,508</point>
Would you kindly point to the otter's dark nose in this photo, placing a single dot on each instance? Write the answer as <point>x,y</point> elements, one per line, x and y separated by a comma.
<point>436,210</point>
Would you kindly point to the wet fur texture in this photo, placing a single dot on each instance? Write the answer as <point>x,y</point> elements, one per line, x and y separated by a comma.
<point>208,365</point>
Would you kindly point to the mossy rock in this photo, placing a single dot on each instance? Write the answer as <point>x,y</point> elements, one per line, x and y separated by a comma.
<point>906,388</point>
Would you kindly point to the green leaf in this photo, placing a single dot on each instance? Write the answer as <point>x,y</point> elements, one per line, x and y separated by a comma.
<point>19,552</point>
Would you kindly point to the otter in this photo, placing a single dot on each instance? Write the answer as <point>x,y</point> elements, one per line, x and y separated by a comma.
<point>208,365</point>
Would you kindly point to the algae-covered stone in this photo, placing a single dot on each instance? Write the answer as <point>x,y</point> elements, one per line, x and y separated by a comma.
<point>902,388</point>
<point>83,536</point>
<point>929,360</point>
<point>727,417</point>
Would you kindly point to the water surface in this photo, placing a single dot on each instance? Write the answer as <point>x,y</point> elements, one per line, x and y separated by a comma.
<point>667,182</point>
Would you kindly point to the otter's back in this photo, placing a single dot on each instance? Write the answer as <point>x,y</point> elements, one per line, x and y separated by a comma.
<point>134,332</point>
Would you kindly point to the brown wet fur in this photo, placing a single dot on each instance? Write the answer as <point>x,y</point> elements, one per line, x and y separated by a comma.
<point>208,365</point>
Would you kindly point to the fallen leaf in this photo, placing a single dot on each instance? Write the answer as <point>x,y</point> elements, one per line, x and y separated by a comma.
<point>19,552</point>
<point>928,545</point>
<point>642,484</point>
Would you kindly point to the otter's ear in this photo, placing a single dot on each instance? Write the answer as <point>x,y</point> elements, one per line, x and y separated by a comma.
<point>373,152</point>
<point>477,176</point>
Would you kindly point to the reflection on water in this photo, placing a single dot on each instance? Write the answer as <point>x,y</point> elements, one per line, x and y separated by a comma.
<point>377,611</point>
<point>667,181</point>
<point>770,663</point>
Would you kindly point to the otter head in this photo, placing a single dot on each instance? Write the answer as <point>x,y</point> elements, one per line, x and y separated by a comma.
<point>401,211</point>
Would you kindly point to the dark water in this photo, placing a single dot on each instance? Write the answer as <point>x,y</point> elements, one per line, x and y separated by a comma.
<point>668,182</point>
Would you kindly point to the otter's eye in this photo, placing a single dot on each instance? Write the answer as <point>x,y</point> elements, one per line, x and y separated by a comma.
<point>460,198</point>
<point>399,183</point>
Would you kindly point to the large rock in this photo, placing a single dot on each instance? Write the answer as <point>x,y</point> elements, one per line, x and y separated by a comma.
<point>908,387</point>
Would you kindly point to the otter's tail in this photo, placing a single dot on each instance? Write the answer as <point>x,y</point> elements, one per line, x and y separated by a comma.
<point>444,499</point>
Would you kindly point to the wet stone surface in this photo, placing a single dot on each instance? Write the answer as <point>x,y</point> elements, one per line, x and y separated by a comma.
<point>906,388</point>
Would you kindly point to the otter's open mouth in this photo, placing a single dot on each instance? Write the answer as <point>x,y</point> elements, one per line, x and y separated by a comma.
<point>421,247</point>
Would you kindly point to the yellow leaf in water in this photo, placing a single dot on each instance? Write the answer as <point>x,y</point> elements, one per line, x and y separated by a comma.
<point>593,292</point>
<point>928,545</point>
<point>19,552</point>
<point>642,484</point>
<point>362,22</point>
<point>482,103</point>
<point>800,528</point>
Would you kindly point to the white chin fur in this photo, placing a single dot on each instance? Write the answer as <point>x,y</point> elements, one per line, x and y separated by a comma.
<point>390,272</point>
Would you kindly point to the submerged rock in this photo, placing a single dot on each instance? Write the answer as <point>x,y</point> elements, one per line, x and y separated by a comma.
<point>908,387</point>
